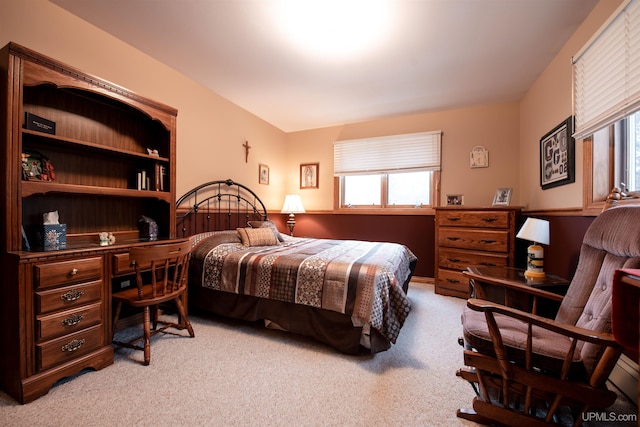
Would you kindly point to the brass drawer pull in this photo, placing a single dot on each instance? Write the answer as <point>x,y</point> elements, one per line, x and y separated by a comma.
<point>74,272</point>
<point>73,320</point>
<point>453,239</point>
<point>489,219</point>
<point>73,345</point>
<point>453,218</point>
<point>453,281</point>
<point>488,241</point>
<point>71,295</point>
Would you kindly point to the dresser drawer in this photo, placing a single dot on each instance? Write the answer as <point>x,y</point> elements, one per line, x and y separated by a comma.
<point>68,297</point>
<point>464,218</point>
<point>66,322</point>
<point>483,240</point>
<point>460,259</point>
<point>60,273</point>
<point>68,347</point>
<point>453,283</point>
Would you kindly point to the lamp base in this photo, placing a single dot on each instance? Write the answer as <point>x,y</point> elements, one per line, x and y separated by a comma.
<point>534,274</point>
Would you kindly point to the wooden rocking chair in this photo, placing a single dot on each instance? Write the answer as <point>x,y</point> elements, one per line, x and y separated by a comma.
<point>529,370</point>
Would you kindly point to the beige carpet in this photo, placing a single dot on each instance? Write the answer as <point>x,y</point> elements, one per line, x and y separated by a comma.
<point>239,374</point>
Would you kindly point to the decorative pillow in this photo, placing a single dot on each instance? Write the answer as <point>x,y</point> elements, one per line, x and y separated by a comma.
<point>267,224</point>
<point>263,236</point>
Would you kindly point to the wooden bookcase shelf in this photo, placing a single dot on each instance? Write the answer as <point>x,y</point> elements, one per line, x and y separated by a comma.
<point>30,188</point>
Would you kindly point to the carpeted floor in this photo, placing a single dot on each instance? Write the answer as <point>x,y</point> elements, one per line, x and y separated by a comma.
<point>240,374</point>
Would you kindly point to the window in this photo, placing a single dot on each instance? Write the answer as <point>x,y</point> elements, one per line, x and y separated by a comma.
<point>606,93</point>
<point>396,171</point>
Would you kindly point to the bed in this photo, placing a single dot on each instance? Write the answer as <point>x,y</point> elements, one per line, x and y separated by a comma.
<point>348,294</point>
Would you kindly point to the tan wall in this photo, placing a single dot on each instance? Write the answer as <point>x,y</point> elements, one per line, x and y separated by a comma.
<point>495,127</point>
<point>211,130</point>
<point>547,104</point>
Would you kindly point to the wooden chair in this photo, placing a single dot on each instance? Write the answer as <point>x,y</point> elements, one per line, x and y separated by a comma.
<point>531,370</point>
<point>161,276</point>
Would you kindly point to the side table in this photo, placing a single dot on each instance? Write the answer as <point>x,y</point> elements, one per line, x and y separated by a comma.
<point>509,286</point>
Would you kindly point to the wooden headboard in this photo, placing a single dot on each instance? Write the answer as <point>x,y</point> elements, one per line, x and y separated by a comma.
<point>217,205</point>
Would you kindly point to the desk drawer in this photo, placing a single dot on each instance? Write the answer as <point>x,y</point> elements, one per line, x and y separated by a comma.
<point>69,321</point>
<point>459,259</point>
<point>60,273</point>
<point>68,297</point>
<point>122,265</point>
<point>483,240</point>
<point>68,347</point>
<point>481,219</point>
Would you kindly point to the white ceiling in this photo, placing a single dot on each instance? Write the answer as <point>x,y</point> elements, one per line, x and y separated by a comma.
<point>433,55</point>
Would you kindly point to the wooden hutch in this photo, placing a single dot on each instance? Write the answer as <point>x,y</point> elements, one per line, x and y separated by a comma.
<point>56,304</point>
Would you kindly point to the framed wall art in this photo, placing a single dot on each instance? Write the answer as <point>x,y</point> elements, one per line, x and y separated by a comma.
<point>309,173</point>
<point>479,157</point>
<point>263,174</point>
<point>557,156</point>
<point>502,197</point>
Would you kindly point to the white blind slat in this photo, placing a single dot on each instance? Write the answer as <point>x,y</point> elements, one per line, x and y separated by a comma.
<point>607,73</point>
<point>416,151</point>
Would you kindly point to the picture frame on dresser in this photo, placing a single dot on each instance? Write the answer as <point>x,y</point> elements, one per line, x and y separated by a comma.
<point>557,156</point>
<point>502,197</point>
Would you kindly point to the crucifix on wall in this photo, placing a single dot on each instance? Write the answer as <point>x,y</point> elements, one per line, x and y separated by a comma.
<point>246,151</point>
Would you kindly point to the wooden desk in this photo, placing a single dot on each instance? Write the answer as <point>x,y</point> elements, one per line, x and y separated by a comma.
<point>509,286</point>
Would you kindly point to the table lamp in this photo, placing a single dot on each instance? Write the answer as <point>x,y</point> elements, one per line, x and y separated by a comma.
<point>537,231</point>
<point>292,205</point>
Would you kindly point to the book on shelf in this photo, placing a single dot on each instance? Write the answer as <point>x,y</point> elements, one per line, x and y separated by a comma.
<point>160,177</point>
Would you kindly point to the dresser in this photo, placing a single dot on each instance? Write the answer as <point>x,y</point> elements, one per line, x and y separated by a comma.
<point>471,236</point>
<point>102,157</point>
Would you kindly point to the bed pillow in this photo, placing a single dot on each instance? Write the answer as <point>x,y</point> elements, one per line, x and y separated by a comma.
<point>263,236</point>
<point>267,224</point>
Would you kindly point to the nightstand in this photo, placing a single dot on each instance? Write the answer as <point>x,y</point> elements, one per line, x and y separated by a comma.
<point>509,286</point>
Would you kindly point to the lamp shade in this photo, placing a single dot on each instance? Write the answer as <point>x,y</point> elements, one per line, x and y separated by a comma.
<point>535,230</point>
<point>292,204</point>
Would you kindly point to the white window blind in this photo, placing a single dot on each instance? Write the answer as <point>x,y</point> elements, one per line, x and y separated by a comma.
<point>606,72</point>
<point>408,152</point>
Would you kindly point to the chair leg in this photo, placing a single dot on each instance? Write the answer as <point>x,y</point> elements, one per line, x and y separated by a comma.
<point>154,317</point>
<point>184,320</point>
<point>147,336</point>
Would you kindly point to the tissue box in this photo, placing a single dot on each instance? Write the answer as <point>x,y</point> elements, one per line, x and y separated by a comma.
<point>53,236</point>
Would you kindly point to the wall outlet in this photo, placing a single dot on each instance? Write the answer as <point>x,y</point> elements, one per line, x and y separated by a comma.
<point>125,284</point>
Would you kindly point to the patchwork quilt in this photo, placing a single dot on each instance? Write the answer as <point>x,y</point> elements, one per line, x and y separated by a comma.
<point>358,278</point>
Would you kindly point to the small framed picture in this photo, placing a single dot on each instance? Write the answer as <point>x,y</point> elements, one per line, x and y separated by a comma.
<point>309,175</point>
<point>455,200</point>
<point>502,197</point>
<point>263,174</point>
